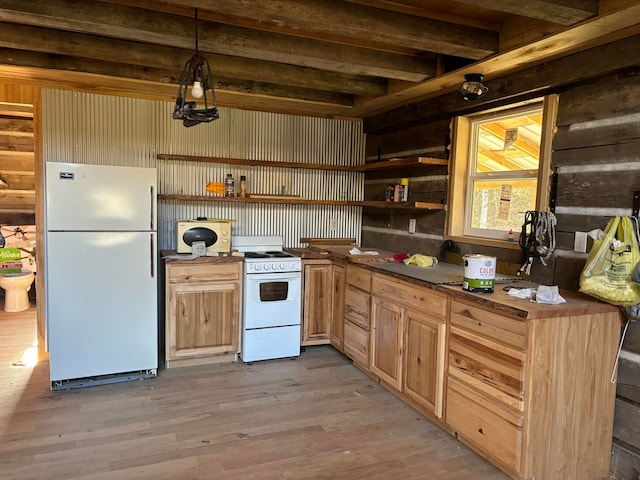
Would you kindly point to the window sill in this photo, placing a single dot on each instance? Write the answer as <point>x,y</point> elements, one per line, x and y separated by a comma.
<point>486,242</point>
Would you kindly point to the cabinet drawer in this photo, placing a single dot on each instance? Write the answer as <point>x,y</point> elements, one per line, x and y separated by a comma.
<point>357,306</point>
<point>421,299</point>
<point>489,324</point>
<point>493,430</point>
<point>203,273</point>
<point>495,370</point>
<point>359,277</point>
<point>356,343</point>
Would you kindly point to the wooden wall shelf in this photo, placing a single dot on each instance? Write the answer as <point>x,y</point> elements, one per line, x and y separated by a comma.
<point>400,162</point>
<point>383,165</point>
<point>375,166</point>
<point>302,201</point>
<point>263,163</point>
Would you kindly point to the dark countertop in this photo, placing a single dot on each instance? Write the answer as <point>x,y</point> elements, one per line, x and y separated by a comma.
<point>447,278</point>
<point>441,274</point>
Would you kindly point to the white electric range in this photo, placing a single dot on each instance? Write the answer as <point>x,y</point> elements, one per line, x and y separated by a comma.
<point>271,299</point>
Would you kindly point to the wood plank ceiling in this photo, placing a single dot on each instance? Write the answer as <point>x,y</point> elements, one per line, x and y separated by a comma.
<point>331,57</point>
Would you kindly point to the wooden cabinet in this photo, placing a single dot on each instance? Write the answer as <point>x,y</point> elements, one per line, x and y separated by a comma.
<point>202,311</point>
<point>357,301</point>
<point>317,304</point>
<point>534,394</point>
<point>424,360</point>
<point>336,329</point>
<point>323,303</point>
<point>409,339</point>
<point>387,321</point>
<point>485,398</point>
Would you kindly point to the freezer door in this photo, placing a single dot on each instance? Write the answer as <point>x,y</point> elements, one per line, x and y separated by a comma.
<point>101,303</point>
<point>100,197</point>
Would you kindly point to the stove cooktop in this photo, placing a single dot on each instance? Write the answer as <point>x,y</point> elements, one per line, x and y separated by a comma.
<point>268,254</point>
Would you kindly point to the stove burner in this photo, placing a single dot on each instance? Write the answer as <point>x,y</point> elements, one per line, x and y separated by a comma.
<point>268,254</point>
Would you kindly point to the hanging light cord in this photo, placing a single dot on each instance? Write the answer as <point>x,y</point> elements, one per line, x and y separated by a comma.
<point>195,21</point>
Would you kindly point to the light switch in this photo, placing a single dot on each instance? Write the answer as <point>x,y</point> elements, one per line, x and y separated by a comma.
<point>412,225</point>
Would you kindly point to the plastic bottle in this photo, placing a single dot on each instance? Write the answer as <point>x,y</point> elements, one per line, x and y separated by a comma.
<point>388,193</point>
<point>511,236</point>
<point>405,189</point>
<point>397,192</point>
<point>229,186</point>
<point>243,186</point>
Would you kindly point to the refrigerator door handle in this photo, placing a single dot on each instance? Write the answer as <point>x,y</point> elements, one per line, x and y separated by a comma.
<point>152,269</point>
<point>151,209</point>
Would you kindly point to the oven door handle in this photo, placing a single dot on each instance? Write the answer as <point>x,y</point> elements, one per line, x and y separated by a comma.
<point>259,277</point>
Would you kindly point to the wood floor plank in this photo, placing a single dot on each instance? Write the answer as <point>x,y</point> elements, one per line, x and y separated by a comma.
<point>315,418</point>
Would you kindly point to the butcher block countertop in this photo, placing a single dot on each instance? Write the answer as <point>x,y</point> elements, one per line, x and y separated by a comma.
<point>308,253</point>
<point>341,252</point>
<point>173,257</point>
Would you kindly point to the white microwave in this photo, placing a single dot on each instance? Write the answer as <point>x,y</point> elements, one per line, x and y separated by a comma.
<point>216,235</point>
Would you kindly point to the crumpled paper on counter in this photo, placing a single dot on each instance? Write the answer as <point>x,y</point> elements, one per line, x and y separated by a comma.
<point>357,251</point>
<point>421,260</point>
<point>544,294</point>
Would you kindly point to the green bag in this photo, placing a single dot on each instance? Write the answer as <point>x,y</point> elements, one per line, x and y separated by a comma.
<point>610,263</point>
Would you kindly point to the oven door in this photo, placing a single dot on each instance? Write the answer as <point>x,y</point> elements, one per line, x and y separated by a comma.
<point>272,299</point>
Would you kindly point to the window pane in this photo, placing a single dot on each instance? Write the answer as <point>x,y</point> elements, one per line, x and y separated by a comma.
<point>500,205</point>
<point>508,144</point>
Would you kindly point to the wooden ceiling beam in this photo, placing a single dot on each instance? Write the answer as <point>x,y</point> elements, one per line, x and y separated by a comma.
<point>614,25</point>
<point>357,22</point>
<point>564,12</point>
<point>153,27</point>
<point>106,84</point>
<point>135,53</point>
<point>61,64</point>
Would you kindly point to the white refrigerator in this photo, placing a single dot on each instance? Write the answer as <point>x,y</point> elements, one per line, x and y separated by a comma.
<point>101,274</point>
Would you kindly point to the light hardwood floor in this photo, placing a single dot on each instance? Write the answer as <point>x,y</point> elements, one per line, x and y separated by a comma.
<point>316,417</point>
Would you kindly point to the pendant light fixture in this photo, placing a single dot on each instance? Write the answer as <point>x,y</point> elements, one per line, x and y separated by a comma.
<point>197,74</point>
<point>473,88</point>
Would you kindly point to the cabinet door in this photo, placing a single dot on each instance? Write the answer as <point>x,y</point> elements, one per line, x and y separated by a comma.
<point>337,315</point>
<point>204,319</point>
<point>386,342</point>
<point>424,360</point>
<point>317,306</point>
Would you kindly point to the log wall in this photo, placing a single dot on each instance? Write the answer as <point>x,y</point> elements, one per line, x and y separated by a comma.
<point>596,156</point>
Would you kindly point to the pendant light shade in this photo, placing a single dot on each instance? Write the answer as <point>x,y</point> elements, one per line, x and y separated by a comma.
<point>197,75</point>
<point>473,88</point>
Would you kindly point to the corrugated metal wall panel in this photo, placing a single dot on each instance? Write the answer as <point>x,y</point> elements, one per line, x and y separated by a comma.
<point>105,130</point>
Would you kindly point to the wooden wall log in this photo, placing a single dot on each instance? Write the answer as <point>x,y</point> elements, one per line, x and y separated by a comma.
<point>597,189</point>
<point>618,153</point>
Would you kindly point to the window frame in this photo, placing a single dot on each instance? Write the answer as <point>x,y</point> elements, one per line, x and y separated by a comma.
<point>461,135</point>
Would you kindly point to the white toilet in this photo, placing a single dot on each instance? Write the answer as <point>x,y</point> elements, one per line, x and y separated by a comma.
<point>16,287</point>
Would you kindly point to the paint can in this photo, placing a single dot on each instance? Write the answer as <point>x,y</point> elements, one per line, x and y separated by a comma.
<point>479,273</point>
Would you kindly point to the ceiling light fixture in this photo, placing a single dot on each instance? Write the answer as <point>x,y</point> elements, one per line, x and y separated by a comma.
<point>196,72</point>
<point>473,88</point>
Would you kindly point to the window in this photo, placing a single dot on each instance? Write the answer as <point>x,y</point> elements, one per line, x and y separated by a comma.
<point>500,169</point>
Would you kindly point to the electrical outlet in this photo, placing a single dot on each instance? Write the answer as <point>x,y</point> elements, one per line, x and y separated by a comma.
<point>412,225</point>
<point>334,225</point>
<point>580,242</point>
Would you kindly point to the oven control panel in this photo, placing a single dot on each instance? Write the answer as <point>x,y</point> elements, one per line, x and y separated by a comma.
<point>272,267</point>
